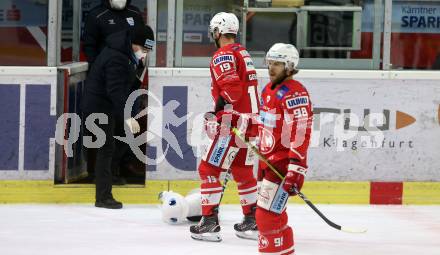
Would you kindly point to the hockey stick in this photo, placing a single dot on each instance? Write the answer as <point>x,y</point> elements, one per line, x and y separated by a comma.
<point>225,183</point>
<point>300,194</point>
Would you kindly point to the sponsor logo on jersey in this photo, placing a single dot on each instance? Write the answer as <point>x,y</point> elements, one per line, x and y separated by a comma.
<point>219,150</point>
<point>244,53</point>
<point>249,64</point>
<point>130,21</point>
<point>282,91</point>
<point>252,77</point>
<point>111,22</point>
<point>297,101</point>
<point>279,201</point>
<point>223,58</point>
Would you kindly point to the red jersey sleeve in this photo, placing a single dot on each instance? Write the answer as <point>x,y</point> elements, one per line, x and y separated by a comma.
<point>298,116</point>
<point>224,69</point>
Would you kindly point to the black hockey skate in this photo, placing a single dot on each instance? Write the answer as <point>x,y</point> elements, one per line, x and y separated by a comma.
<point>247,229</point>
<point>208,229</point>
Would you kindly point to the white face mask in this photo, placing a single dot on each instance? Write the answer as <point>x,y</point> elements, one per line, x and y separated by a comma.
<point>141,56</point>
<point>118,4</point>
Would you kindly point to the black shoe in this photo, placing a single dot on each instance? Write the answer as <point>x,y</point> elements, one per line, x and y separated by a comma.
<point>118,180</point>
<point>247,229</point>
<point>208,229</point>
<point>109,203</point>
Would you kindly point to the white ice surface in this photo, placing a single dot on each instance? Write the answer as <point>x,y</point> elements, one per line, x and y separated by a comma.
<point>137,229</point>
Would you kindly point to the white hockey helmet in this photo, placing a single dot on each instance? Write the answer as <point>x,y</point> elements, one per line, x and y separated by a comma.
<point>174,207</point>
<point>283,52</point>
<point>225,23</point>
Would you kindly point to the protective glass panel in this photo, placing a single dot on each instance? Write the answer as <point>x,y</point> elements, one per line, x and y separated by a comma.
<point>415,37</point>
<point>23,32</point>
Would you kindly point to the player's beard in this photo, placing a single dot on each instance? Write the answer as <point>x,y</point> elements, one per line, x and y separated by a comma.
<point>279,78</point>
<point>217,43</point>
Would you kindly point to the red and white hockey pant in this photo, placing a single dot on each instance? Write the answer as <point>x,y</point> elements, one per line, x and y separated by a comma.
<point>222,154</point>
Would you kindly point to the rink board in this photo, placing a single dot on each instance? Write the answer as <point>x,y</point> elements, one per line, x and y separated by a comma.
<point>318,191</point>
<point>368,125</point>
<point>28,97</point>
<point>400,108</point>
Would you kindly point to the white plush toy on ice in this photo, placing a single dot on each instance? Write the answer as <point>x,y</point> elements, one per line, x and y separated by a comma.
<point>177,209</point>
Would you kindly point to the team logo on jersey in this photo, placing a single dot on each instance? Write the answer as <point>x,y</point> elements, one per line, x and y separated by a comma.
<point>244,53</point>
<point>297,101</point>
<point>249,64</point>
<point>130,21</point>
<point>263,243</point>
<point>282,91</point>
<point>267,141</point>
<point>223,58</point>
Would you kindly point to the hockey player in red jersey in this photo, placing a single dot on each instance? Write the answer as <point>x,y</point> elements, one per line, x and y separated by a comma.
<point>284,135</point>
<point>234,91</point>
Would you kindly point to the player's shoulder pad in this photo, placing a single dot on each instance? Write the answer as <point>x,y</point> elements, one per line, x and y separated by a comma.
<point>264,89</point>
<point>244,53</point>
<point>240,51</point>
<point>236,47</point>
<point>295,87</point>
<point>296,95</point>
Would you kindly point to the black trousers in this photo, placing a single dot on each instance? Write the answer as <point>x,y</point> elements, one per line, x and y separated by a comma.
<point>120,150</point>
<point>104,155</point>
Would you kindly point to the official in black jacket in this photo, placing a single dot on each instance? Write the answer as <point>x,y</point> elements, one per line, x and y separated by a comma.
<point>109,17</point>
<point>107,88</point>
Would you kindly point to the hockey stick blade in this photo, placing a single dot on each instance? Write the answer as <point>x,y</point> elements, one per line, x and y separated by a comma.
<point>354,230</point>
<point>329,222</point>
